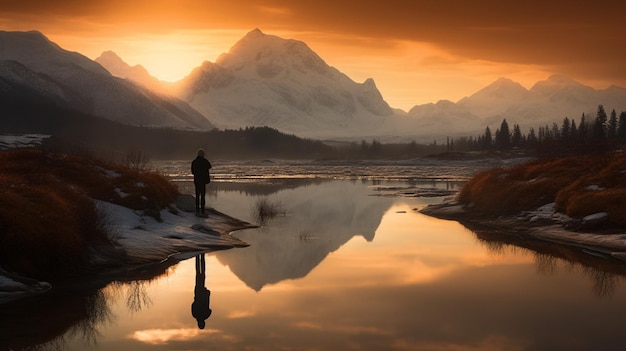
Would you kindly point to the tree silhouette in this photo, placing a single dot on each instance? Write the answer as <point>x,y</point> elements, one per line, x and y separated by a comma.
<point>599,127</point>
<point>488,140</point>
<point>503,136</point>
<point>611,131</point>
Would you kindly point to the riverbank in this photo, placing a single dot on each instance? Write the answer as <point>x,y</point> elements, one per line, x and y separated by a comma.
<point>543,224</point>
<point>66,218</point>
<point>575,201</point>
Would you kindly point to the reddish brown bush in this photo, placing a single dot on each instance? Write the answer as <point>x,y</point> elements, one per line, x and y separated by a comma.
<point>579,185</point>
<point>47,216</point>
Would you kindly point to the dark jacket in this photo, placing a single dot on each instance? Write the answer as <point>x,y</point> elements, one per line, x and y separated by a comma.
<point>200,170</point>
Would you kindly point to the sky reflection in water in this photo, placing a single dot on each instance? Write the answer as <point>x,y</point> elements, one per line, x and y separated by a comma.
<point>344,269</point>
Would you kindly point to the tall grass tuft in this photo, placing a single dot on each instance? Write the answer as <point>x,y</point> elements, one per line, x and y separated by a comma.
<point>265,210</point>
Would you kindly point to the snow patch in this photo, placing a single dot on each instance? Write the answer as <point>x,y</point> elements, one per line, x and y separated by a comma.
<point>120,193</point>
<point>109,173</point>
<point>147,240</point>
<point>546,212</point>
<point>20,141</point>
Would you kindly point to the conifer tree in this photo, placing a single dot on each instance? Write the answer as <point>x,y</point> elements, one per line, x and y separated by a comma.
<point>516,139</point>
<point>599,127</point>
<point>611,131</point>
<point>621,129</point>
<point>503,136</point>
<point>488,138</point>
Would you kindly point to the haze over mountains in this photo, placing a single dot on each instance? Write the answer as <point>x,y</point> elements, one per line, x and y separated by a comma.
<point>34,70</point>
<point>265,80</point>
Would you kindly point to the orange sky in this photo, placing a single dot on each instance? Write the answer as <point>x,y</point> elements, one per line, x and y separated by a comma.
<point>416,51</point>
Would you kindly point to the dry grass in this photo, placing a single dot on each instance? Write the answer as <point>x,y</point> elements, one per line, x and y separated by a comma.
<point>47,217</point>
<point>265,210</point>
<point>579,185</point>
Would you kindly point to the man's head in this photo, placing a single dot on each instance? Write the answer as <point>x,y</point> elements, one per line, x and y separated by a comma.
<point>200,152</point>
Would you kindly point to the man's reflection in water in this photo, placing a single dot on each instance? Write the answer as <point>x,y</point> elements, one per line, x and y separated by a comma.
<point>200,307</point>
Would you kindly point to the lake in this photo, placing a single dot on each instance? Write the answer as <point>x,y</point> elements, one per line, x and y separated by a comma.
<point>347,264</point>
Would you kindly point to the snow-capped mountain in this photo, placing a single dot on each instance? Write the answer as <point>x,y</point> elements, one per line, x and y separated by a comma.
<point>265,80</point>
<point>31,63</point>
<point>494,98</point>
<point>548,101</point>
<point>138,74</point>
<point>444,118</point>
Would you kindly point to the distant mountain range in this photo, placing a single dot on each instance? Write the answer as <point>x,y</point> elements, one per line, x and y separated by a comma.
<point>34,71</point>
<point>265,80</point>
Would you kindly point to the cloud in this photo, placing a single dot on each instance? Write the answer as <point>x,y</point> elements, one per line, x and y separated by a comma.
<point>581,39</point>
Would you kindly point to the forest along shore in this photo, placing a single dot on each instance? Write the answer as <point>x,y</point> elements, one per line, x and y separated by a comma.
<point>573,201</point>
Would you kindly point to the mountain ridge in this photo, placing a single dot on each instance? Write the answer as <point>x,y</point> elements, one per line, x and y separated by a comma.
<point>78,83</point>
<point>270,71</point>
<point>265,80</point>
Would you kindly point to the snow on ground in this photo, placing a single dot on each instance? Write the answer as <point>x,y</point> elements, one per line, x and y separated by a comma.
<point>545,212</point>
<point>145,240</point>
<point>19,141</point>
<point>545,223</point>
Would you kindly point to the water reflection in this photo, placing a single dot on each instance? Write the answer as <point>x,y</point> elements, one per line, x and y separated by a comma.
<point>49,321</point>
<point>201,295</point>
<point>342,270</point>
<point>319,219</point>
<point>604,272</point>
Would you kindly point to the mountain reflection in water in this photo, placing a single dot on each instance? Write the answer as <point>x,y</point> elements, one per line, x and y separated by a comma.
<point>350,265</point>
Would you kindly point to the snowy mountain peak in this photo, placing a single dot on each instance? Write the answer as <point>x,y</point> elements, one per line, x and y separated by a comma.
<point>265,80</point>
<point>369,83</point>
<point>110,59</point>
<point>270,55</point>
<point>119,68</point>
<point>25,40</point>
<point>503,87</point>
<point>46,71</point>
<point>555,83</point>
<point>495,98</point>
<point>30,49</point>
<point>254,34</point>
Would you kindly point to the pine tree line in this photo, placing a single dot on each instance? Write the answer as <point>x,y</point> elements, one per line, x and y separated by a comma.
<point>597,134</point>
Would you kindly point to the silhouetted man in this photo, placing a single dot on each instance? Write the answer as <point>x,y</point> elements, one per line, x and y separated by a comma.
<point>200,170</point>
<point>200,307</point>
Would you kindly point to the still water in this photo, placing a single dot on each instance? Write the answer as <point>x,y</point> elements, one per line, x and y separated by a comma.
<point>349,264</point>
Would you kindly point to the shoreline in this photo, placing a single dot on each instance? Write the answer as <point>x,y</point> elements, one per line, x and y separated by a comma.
<point>534,228</point>
<point>144,248</point>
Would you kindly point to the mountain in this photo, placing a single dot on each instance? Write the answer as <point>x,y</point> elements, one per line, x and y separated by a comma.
<point>36,70</point>
<point>265,80</point>
<point>494,98</point>
<point>548,101</point>
<point>138,74</point>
